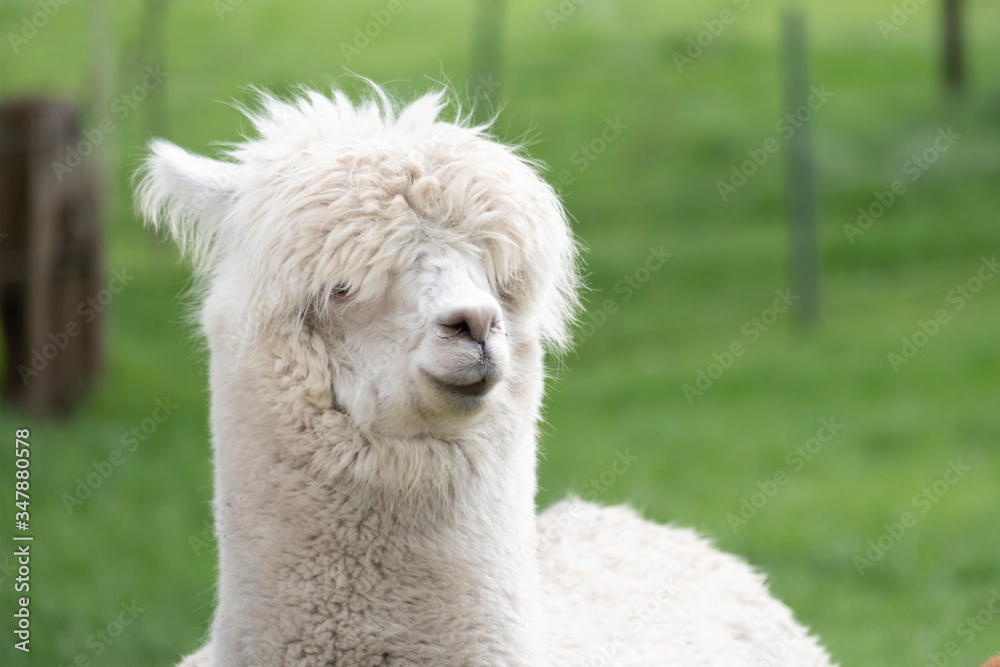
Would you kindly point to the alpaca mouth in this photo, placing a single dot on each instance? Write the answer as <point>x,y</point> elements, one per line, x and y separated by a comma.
<point>476,389</point>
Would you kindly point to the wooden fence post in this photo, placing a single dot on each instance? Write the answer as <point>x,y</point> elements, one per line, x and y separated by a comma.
<point>487,54</point>
<point>953,65</point>
<point>51,256</point>
<point>804,252</point>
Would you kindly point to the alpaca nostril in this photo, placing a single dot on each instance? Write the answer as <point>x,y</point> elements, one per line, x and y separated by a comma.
<point>474,324</point>
<point>460,328</point>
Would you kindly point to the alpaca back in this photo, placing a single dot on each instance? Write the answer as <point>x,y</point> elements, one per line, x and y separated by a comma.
<point>618,590</point>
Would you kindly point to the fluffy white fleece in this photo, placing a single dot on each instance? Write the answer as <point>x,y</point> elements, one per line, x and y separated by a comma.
<point>378,289</point>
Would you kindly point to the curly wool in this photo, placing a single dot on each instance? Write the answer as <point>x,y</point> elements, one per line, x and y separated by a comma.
<point>378,289</point>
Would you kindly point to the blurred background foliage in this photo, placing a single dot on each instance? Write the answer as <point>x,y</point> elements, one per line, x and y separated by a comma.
<point>563,73</point>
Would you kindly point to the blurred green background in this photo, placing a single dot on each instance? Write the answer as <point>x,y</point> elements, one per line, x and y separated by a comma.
<point>143,537</point>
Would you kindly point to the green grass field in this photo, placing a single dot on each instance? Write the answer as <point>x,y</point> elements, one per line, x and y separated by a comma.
<point>137,548</point>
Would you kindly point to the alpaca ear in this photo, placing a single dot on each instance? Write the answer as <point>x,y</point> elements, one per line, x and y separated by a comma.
<point>188,195</point>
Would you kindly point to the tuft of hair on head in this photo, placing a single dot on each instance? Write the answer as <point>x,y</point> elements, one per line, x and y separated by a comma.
<point>301,155</point>
<point>187,195</point>
<point>993,662</point>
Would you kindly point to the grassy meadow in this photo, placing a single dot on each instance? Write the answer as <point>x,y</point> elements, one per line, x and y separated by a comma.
<point>855,463</point>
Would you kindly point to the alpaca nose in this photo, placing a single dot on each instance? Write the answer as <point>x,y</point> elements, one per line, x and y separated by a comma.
<point>474,322</point>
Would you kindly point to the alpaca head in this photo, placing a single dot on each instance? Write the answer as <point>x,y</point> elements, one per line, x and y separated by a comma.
<point>402,272</point>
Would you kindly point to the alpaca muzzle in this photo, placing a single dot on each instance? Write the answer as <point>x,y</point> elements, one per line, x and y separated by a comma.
<point>469,352</point>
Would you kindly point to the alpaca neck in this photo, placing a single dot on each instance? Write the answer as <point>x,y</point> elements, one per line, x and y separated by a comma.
<point>319,569</point>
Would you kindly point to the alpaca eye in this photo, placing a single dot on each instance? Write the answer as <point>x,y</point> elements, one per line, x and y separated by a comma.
<point>338,290</point>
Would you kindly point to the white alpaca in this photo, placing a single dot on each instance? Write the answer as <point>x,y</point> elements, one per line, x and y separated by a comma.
<point>378,290</point>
